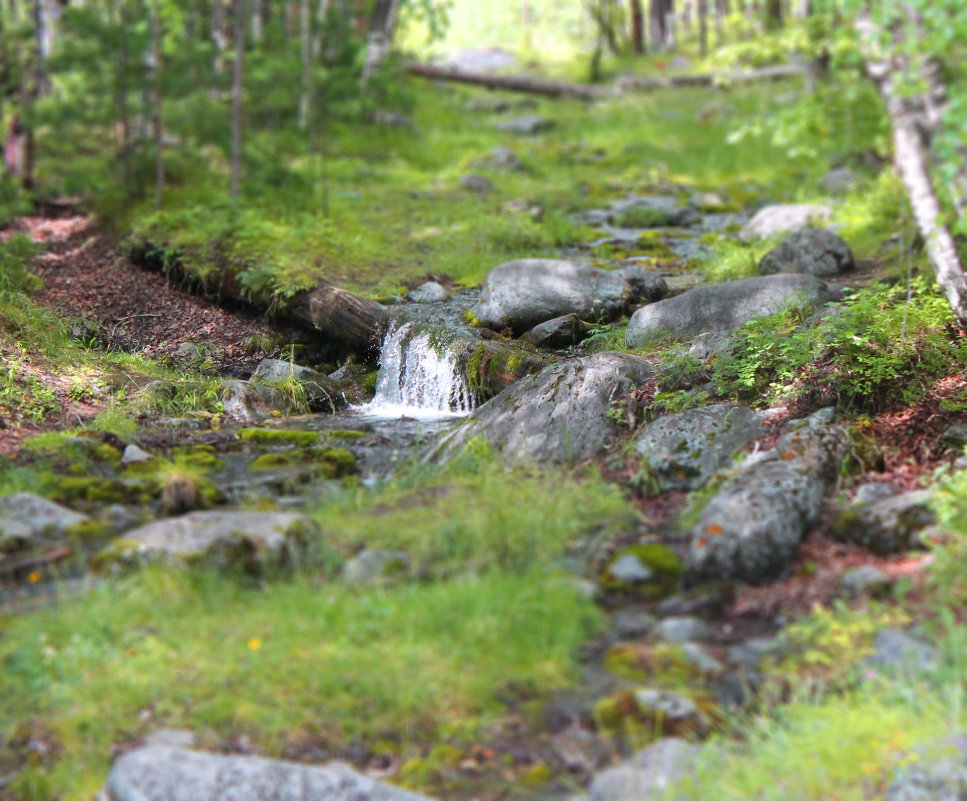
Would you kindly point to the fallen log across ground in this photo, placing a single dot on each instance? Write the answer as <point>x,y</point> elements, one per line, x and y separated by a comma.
<point>555,89</point>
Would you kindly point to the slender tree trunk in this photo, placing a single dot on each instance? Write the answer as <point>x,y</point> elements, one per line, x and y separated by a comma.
<point>156,53</point>
<point>305,47</point>
<point>637,28</point>
<point>258,17</point>
<point>657,18</point>
<point>721,12</point>
<point>773,14</point>
<point>703,27</point>
<point>379,42</point>
<point>238,68</point>
<point>910,153</point>
<point>122,100</point>
<point>219,35</point>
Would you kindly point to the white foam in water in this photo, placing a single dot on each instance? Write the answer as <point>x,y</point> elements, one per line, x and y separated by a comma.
<point>417,380</point>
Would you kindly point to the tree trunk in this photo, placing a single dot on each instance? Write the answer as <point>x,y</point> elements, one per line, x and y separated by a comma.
<point>379,42</point>
<point>157,100</point>
<point>773,14</point>
<point>219,35</point>
<point>657,25</point>
<point>703,27</point>
<point>637,28</point>
<point>238,67</point>
<point>910,156</point>
<point>343,315</point>
<point>258,15</point>
<point>305,46</point>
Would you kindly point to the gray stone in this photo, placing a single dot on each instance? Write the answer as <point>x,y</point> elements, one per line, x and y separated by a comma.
<point>672,712</point>
<point>888,526</point>
<point>503,158</point>
<point>684,629</point>
<point>748,655</point>
<point>26,518</point>
<point>864,580</point>
<point>873,492</point>
<point>321,394</point>
<point>707,201</point>
<point>838,181</point>
<point>135,455</point>
<point>219,538</point>
<point>782,219</point>
<point>706,600</point>
<point>561,332</point>
<point>935,772</point>
<point>163,773</point>
<point>651,772</point>
<point>374,566</point>
<point>955,436</point>
<point>558,415</point>
<point>633,624</point>
<point>245,402</point>
<point>189,351</point>
<point>629,569</point>
<point>721,307</point>
<point>476,183</point>
<point>647,212</point>
<point>684,450</point>
<point>521,294</point>
<point>814,251</point>
<point>701,658</point>
<point>429,292</point>
<point>752,527</point>
<point>899,651</point>
<point>528,125</point>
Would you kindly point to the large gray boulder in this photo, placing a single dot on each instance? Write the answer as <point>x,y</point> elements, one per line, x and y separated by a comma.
<point>752,527</point>
<point>163,773</point>
<point>783,218</point>
<point>815,251</point>
<point>558,415</point>
<point>321,394</point>
<point>26,517</point>
<point>520,294</point>
<point>721,307</point>
<point>682,451</point>
<point>889,525</point>
<point>651,772</point>
<point>219,538</point>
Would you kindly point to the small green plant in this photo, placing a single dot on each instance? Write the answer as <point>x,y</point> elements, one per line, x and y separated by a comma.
<point>15,278</point>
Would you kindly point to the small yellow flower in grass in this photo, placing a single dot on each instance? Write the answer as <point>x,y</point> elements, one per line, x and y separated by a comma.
<point>254,644</point>
<point>33,577</point>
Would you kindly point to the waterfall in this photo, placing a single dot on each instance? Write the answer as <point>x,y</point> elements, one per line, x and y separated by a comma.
<point>418,377</point>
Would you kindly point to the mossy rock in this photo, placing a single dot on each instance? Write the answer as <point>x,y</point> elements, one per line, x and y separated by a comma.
<point>369,381</point>
<point>642,217</point>
<point>664,663</point>
<point>345,434</point>
<point>330,462</point>
<point>275,436</point>
<point>649,713</point>
<point>537,775</point>
<point>202,456</point>
<point>649,571</point>
<point>88,531</point>
<point>101,491</point>
<point>866,454</point>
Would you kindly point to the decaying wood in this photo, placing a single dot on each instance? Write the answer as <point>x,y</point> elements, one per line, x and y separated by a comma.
<point>342,315</point>
<point>911,156</point>
<point>539,86</point>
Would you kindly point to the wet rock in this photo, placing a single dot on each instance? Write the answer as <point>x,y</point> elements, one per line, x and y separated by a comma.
<point>865,580</point>
<point>752,527</point>
<point>26,517</point>
<point>166,773</point>
<point>650,772</point>
<point>722,307</point>
<point>814,251</point>
<point>476,183</point>
<point>135,455</point>
<point>648,570</point>
<point>887,526</point>
<point>955,436</point>
<point>936,772</point>
<point>223,539</point>
<point>559,415</point>
<point>896,650</point>
<point>684,629</point>
<point>429,292</point>
<point>783,219</point>
<point>528,125</point>
<point>375,566</point>
<point>521,294</point>
<point>354,383</point>
<point>561,332</point>
<point>683,450</point>
<point>321,394</point>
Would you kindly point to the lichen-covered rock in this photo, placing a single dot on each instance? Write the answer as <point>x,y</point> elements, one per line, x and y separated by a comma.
<point>559,415</point>
<point>523,293</point>
<point>649,570</point>
<point>886,526</point>
<point>722,307</point>
<point>653,771</point>
<point>163,773</point>
<point>781,219</point>
<point>561,332</point>
<point>320,393</point>
<point>752,527</point>
<point>814,251</point>
<point>682,451</point>
<point>223,539</point>
<point>26,517</point>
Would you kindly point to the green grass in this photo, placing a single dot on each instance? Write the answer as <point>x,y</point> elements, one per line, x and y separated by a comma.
<point>304,659</point>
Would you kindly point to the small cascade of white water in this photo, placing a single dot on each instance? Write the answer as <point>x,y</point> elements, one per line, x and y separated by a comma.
<point>418,378</point>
